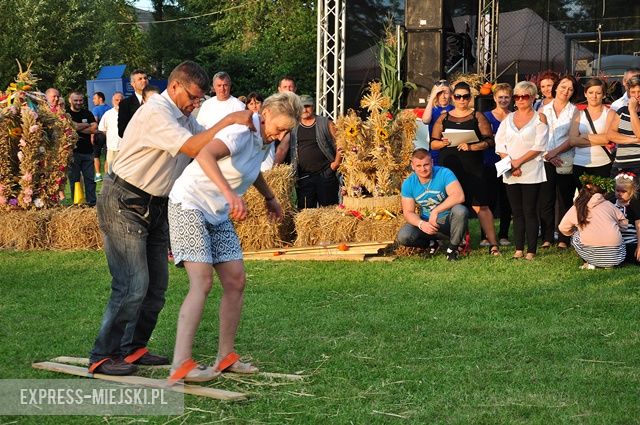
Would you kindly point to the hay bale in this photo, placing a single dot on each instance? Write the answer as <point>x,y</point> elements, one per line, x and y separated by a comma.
<point>370,230</point>
<point>392,203</point>
<point>257,231</point>
<point>24,230</point>
<point>318,226</point>
<point>75,228</point>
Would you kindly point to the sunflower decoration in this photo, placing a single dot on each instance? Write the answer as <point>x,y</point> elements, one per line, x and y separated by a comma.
<point>374,150</point>
<point>35,147</point>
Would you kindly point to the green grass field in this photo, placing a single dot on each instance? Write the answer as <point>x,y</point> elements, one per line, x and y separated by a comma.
<point>483,340</point>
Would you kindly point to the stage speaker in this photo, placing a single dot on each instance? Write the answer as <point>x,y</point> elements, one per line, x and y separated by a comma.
<point>424,14</point>
<point>425,53</point>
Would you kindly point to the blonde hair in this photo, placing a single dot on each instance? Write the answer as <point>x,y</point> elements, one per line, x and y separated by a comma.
<point>503,87</point>
<point>285,103</point>
<point>527,86</point>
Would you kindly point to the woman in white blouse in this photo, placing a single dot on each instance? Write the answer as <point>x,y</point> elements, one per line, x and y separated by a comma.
<point>522,137</point>
<point>591,154</point>
<point>559,187</point>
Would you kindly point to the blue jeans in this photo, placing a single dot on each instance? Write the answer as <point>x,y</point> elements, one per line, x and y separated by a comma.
<point>135,233</point>
<point>453,227</point>
<point>83,163</point>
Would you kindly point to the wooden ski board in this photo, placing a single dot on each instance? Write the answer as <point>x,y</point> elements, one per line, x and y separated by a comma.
<point>142,381</point>
<point>353,252</point>
<point>83,361</point>
<point>383,244</point>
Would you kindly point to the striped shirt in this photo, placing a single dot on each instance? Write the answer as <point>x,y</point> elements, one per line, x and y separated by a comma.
<point>632,213</point>
<point>627,156</point>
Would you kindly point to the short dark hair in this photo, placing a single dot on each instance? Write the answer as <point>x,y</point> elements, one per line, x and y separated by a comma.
<point>100,95</point>
<point>136,72</point>
<point>462,86</point>
<point>190,72</point>
<point>254,95</point>
<point>574,82</point>
<point>595,82</point>
<point>420,153</point>
<point>286,77</point>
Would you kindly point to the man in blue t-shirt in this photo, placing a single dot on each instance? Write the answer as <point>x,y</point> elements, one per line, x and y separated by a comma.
<point>440,200</point>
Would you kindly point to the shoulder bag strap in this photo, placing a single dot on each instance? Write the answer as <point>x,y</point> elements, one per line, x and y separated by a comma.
<point>593,129</point>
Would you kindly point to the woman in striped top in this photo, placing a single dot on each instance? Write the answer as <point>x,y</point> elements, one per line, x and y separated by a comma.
<point>625,132</point>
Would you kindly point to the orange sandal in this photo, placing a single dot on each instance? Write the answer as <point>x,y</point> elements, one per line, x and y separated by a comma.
<point>190,371</point>
<point>231,363</point>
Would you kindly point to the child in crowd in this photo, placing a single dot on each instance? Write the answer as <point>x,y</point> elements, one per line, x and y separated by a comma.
<point>626,200</point>
<point>595,225</point>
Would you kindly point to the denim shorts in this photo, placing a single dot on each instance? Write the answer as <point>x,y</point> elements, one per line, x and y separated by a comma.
<point>195,239</point>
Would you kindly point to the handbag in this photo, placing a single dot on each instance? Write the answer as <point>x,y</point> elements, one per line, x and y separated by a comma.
<point>567,163</point>
<point>610,154</point>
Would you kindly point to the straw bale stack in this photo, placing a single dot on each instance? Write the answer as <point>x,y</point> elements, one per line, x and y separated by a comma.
<point>320,226</point>
<point>24,230</point>
<point>371,230</point>
<point>257,232</point>
<point>74,228</point>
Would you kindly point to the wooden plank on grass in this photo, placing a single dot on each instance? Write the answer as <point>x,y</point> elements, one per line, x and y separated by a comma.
<point>374,246</point>
<point>311,257</point>
<point>142,381</point>
<point>83,361</point>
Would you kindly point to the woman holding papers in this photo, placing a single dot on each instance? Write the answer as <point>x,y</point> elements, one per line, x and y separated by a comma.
<point>559,188</point>
<point>522,139</point>
<point>461,135</point>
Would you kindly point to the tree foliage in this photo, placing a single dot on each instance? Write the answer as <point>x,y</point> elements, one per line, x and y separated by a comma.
<point>67,40</point>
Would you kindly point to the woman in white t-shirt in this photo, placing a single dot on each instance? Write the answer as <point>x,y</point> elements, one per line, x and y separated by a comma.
<point>591,154</point>
<point>201,203</point>
<point>522,137</point>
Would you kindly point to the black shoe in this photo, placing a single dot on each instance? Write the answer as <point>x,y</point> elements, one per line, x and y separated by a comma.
<point>434,246</point>
<point>152,360</point>
<point>452,254</point>
<point>115,367</point>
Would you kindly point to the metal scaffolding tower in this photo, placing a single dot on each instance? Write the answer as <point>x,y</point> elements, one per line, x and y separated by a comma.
<point>487,42</point>
<point>330,37</point>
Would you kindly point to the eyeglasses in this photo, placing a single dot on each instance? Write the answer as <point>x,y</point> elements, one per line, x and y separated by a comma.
<point>518,97</point>
<point>466,96</point>
<point>196,100</point>
<point>441,83</point>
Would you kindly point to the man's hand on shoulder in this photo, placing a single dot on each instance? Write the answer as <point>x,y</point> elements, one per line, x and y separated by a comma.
<point>243,118</point>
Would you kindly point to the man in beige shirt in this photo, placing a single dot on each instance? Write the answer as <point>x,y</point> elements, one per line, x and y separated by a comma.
<point>157,145</point>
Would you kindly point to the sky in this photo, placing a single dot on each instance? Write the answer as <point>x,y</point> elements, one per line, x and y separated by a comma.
<point>143,4</point>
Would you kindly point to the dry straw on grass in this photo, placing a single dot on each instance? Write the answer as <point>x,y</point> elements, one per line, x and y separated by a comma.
<point>257,231</point>
<point>74,228</point>
<point>24,230</point>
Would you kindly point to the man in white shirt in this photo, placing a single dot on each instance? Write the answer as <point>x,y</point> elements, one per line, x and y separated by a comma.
<point>222,104</point>
<point>109,125</point>
<point>624,100</point>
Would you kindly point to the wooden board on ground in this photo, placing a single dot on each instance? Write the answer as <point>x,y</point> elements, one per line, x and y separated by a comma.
<point>83,361</point>
<point>142,381</point>
<point>347,251</point>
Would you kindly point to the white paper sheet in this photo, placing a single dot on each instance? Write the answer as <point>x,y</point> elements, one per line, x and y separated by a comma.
<point>503,166</point>
<point>456,137</point>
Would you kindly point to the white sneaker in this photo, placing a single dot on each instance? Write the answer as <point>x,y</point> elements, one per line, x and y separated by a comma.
<point>485,242</point>
<point>587,266</point>
<point>504,242</point>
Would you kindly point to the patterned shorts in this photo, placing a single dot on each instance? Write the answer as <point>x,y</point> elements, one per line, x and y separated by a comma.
<point>194,239</point>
